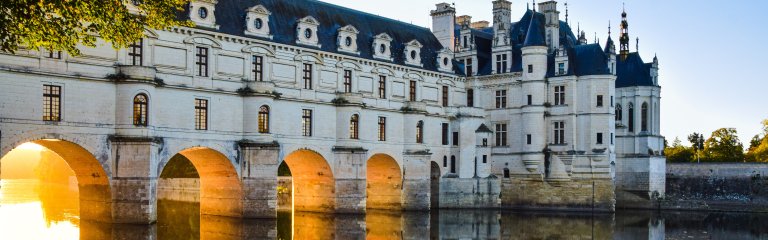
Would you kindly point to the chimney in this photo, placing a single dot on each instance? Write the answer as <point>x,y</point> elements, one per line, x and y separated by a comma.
<point>552,24</point>
<point>443,24</point>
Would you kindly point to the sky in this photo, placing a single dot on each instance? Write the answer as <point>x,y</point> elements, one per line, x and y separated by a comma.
<point>712,54</point>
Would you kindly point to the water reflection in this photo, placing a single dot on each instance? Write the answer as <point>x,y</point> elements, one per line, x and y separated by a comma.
<point>29,210</point>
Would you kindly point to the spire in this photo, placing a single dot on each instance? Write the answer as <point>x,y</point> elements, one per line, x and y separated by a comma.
<point>637,45</point>
<point>609,28</point>
<point>535,36</point>
<point>566,12</point>
<point>624,38</point>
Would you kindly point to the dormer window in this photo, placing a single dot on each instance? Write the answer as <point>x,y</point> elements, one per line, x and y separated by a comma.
<point>413,51</point>
<point>202,13</point>
<point>257,22</point>
<point>306,32</point>
<point>383,43</point>
<point>445,60</point>
<point>347,39</point>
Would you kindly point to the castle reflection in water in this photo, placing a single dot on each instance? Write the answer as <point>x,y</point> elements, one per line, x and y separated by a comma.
<point>48,217</point>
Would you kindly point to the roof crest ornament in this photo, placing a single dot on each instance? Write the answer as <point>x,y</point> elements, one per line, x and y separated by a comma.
<point>566,12</point>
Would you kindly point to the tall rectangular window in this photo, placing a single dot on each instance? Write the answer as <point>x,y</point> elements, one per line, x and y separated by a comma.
<point>347,81</point>
<point>530,68</point>
<point>501,99</point>
<point>560,95</point>
<point>383,87</point>
<point>612,137</point>
<point>445,133</point>
<point>382,129</point>
<point>445,96</point>
<point>559,133</point>
<point>136,53</point>
<point>54,54</point>
<point>561,69</point>
<point>455,138</point>
<point>501,135</point>
<point>258,68</point>
<point>51,103</point>
<point>201,114</point>
<point>470,97</point>
<point>307,76</point>
<point>599,138</point>
<point>485,158</point>
<point>599,100</point>
<point>306,122</point>
<point>529,139</point>
<point>501,63</point>
<point>530,100</point>
<point>412,91</point>
<point>469,67</point>
<point>202,61</point>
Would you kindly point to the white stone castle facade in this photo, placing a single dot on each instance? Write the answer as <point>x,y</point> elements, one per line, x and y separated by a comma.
<point>522,109</point>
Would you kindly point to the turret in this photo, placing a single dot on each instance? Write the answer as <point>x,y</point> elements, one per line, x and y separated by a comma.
<point>655,71</point>
<point>535,51</point>
<point>552,24</point>
<point>443,24</point>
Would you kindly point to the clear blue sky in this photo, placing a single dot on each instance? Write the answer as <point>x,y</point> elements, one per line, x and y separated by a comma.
<point>712,54</point>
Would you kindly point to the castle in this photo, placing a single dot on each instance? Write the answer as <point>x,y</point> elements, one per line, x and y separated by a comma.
<point>519,114</point>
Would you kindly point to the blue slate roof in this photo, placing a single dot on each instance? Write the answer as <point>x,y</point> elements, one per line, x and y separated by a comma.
<point>535,36</point>
<point>230,15</point>
<point>633,71</point>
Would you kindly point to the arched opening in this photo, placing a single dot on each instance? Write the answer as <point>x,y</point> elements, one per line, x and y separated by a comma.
<point>644,117</point>
<point>220,189</point>
<point>141,110</point>
<point>631,117</point>
<point>453,164</point>
<point>313,184</point>
<point>384,183</point>
<point>619,113</point>
<point>434,185</point>
<point>264,119</point>
<point>48,187</point>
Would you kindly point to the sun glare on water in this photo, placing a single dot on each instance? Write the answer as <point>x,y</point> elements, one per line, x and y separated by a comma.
<point>27,221</point>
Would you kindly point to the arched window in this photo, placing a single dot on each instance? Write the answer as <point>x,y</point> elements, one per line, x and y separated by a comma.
<point>631,115</point>
<point>453,164</point>
<point>445,161</point>
<point>264,119</point>
<point>354,127</point>
<point>619,113</point>
<point>420,132</point>
<point>644,117</point>
<point>141,110</point>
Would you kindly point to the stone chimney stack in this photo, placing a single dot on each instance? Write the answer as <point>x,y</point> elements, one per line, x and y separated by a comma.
<point>552,24</point>
<point>443,24</point>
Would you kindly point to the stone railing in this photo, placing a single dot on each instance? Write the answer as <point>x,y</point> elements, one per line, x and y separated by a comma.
<point>261,86</point>
<point>349,98</point>
<point>137,72</point>
<point>413,106</point>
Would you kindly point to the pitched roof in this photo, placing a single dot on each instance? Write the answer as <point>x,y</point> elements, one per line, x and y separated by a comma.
<point>535,36</point>
<point>483,129</point>
<point>230,15</point>
<point>632,71</point>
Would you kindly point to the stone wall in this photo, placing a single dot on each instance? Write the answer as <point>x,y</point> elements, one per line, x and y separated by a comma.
<point>717,187</point>
<point>520,193</point>
<point>179,189</point>
<point>469,193</point>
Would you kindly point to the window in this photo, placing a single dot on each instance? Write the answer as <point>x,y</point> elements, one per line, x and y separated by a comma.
<point>445,161</point>
<point>412,91</point>
<point>506,172</point>
<point>445,96</point>
<point>466,42</point>
<point>612,138</point>
<point>470,97</point>
<point>619,113</point>
<point>306,122</point>
<point>136,53</point>
<point>560,95</point>
<point>530,68</point>
<point>445,133</point>
<point>202,61</point>
<point>561,69</point>
<point>453,164</point>
<point>611,101</point>
<point>599,100</point>
<point>54,54</point>
<point>420,132</point>
<point>258,68</point>
<point>501,99</point>
<point>631,116</point>
<point>140,110</point>
<point>383,87</point>
<point>202,12</point>
<point>307,76</point>
<point>529,139</point>
<point>455,138</point>
<point>347,81</point>
<point>382,129</point>
<point>501,135</point>
<point>469,67</point>
<point>485,142</point>
<point>530,100</point>
<point>644,117</point>
<point>501,63</point>
<point>599,139</point>
<point>354,127</point>
<point>264,119</point>
<point>485,158</point>
<point>559,133</point>
<point>201,114</point>
<point>51,103</point>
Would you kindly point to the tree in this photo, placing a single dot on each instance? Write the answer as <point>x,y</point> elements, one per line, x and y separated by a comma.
<point>724,146</point>
<point>60,25</point>
<point>697,144</point>
<point>758,147</point>
<point>678,153</point>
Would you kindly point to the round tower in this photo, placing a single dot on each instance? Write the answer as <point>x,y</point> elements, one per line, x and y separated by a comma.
<point>534,88</point>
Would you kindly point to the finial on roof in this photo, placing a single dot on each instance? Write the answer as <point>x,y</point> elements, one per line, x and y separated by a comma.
<point>637,45</point>
<point>534,5</point>
<point>595,37</point>
<point>527,6</point>
<point>566,12</point>
<point>609,28</point>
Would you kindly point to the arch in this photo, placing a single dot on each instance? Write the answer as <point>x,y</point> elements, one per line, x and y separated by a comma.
<point>150,33</point>
<point>307,57</point>
<point>434,185</point>
<point>221,192</point>
<point>383,70</point>
<point>414,76</point>
<point>263,119</point>
<point>384,183</point>
<point>446,81</point>
<point>347,64</point>
<point>644,117</point>
<point>259,49</point>
<point>314,185</point>
<point>202,40</point>
<point>619,113</point>
<point>141,110</point>
<point>420,132</point>
<point>354,126</point>
<point>631,116</point>
<point>95,194</point>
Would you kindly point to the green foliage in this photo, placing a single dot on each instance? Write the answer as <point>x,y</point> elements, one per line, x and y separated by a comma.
<point>758,147</point>
<point>677,153</point>
<point>723,146</point>
<point>179,167</point>
<point>283,170</point>
<point>60,25</point>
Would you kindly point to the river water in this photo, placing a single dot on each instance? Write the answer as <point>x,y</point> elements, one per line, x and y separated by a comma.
<point>30,210</point>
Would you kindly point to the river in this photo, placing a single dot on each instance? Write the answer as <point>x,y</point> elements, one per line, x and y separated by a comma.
<point>30,210</point>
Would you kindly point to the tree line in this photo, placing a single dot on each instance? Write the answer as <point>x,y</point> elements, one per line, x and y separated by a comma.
<point>722,146</point>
